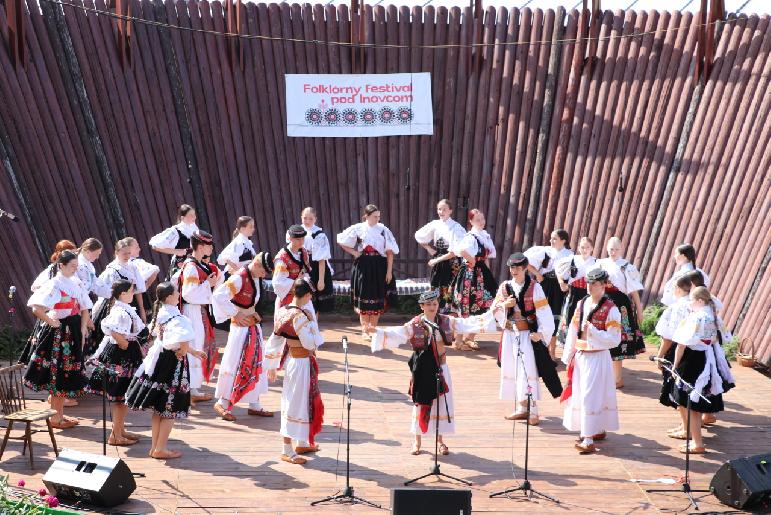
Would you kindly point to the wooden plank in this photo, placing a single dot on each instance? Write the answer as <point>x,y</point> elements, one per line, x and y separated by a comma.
<point>254,60</point>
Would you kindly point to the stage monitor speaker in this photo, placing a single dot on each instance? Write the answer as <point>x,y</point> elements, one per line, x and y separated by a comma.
<point>91,478</point>
<point>436,501</point>
<point>744,483</point>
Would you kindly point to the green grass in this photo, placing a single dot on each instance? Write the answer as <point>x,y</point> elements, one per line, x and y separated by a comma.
<point>11,343</point>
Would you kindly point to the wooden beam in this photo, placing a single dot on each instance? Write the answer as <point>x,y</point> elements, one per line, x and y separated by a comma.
<point>16,27</point>
<point>233,13</point>
<point>123,38</point>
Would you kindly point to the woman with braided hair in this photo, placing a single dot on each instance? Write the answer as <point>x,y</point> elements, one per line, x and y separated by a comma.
<point>118,357</point>
<point>162,382</point>
<point>700,361</point>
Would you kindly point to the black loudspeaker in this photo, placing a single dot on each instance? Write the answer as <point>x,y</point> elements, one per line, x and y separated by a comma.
<point>91,478</point>
<point>434,501</point>
<point>744,483</point>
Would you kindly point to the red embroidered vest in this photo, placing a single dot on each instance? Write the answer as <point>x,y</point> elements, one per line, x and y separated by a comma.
<point>294,267</point>
<point>421,334</point>
<point>284,325</point>
<point>248,294</point>
<point>515,314</point>
<point>598,319</point>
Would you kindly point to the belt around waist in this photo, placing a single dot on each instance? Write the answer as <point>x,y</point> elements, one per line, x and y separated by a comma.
<point>519,325</point>
<point>299,352</point>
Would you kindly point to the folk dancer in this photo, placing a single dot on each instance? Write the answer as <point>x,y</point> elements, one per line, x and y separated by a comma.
<point>118,358</point>
<point>292,346</point>
<point>56,360</point>
<point>623,288</point>
<point>162,382</point>
<point>474,288</point>
<point>319,256</point>
<point>542,265</point>
<point>429,335</point>
<point>176,240</point>
<point>196,281</point>
<point>700,360</point>
<point>373,248</point>
<point>571,274</point>
<point>522,311</point>
<point>243,376</point>
<point>589,398</point>
<point>438,237</point>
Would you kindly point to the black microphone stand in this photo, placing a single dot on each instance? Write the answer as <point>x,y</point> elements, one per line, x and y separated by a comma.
<point>686,488</point>
<point>435,471</point>
<point>347,496</point>
<point>11,325</point>
<point>526,488</point>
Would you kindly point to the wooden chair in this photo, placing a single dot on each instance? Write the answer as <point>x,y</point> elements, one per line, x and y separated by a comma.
<point>14,409</point>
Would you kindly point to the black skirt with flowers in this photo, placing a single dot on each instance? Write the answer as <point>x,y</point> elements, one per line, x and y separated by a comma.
<point>56,360</point>
<point>370,294</point>
<point>166,391</point>
<point>473,289</point>
<point>113,370</point>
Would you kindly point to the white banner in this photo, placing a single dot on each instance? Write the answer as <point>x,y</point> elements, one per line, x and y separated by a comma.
<point>352,106</point>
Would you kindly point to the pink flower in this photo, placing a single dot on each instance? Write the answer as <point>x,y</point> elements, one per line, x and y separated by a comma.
<point>52,501</point>
<point>42,492</point>
<point>21,483</point>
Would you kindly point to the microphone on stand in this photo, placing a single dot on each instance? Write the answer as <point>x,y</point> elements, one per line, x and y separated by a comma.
<point>345,343</point>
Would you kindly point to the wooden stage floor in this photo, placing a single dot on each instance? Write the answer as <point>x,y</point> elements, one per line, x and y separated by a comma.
<point>235,467</point>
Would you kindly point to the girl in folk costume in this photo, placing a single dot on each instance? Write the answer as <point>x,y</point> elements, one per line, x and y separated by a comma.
<point>373,248</point>
<point>56,361</point>
<point>429,334</point>
<point>118,358</point>
<point>542,266</point>
<point>196,282</point>
<point>291,263</point>
<point>51,270</point>
<point>162,382</point>
<point>89,251</point>
<point>46,275</point>
<point>147,270</point>
<point>439,237</point>
<point>571,274</point>
<point>522,311</point>
<point>685,261</point>
<point>292,346</point>
<point>590,395</point>
<point>243,375</point>
<point>240,251</point>
<point>176,239</point>
<point>43,277</point>
<point>319,253</point>
<point>670,320</point>
<point>119,269</point>
<point>698,278</point>
<point>700,361</point>
<point>474,288</point>
<point>623,287</point>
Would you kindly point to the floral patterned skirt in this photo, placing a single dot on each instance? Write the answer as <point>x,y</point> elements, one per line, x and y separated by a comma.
<point>113,370</point>
<point>473,290</point>
<point>166,391</point>
<point>56,360</point>
<point>442,276</point>
<point>632,342</point>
